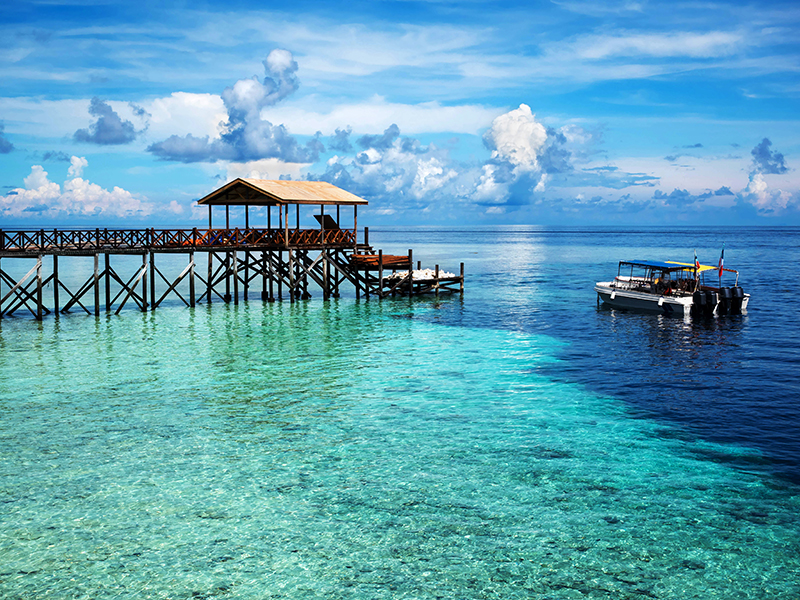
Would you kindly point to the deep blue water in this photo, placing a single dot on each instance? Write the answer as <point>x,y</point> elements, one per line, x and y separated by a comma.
<point>733,380</point>
<point>519,442</point>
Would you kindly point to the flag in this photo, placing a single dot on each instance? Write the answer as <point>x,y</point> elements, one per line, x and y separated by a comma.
<point>721,260</point>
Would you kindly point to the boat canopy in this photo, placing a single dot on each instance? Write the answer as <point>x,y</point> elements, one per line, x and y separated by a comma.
<point>665,265</point>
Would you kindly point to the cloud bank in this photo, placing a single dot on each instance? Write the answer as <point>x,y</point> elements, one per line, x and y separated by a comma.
<point>79,198</point>
<point>246,136</point>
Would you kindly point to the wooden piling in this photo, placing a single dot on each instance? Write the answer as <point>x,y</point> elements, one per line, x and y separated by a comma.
<point>107,273</point>
<point>235,277</point>
<point>144,282</point>
<point>39,304</point>
<point>410,272</point>
<point>55,285</point>
<point>97,283</point>
<point>191,279</point>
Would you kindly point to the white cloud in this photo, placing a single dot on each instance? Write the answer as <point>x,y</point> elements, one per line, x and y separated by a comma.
<point>77,165</point>
<point>681,44</point>
<point>44,198</point>
<point>763,198</point>
<point>431,175</point>
<point>517,138</point>
<point>37,179</point>
<point>266,168</point>
<point>182,113</point>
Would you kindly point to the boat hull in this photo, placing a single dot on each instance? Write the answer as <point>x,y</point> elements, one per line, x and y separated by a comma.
<point>642,301</point>
<point>629,299</point>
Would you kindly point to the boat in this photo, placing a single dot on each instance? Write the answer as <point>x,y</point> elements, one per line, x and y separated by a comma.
<point>671,287</point>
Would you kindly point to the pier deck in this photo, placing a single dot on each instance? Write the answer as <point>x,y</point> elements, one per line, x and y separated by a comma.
<point>279,257</point>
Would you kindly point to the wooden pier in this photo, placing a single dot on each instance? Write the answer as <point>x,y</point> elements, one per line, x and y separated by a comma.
<point>276,260</point>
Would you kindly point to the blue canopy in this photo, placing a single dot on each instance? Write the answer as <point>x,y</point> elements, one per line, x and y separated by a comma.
<point>658,264</point>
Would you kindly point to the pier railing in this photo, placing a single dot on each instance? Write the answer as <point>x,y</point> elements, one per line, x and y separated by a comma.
<point>57,241</point>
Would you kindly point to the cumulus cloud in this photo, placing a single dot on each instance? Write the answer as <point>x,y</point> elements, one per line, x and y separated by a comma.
<point>42,197</point>
<point>517,138</point>
<point>767,201</point>
<point>526,159</point>
<point>109,129</point>
<point>380,142</point>
<point>766,161</point>
<point>723,191</point>
<point>77,165</point>
<point>397,169</point>
<point>340,141</point>
<point>246,136</point>
<point>5,145</point>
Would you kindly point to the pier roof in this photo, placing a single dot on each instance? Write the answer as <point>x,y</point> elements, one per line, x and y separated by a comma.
<point>266,192</point>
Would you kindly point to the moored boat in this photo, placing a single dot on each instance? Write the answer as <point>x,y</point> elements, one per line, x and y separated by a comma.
<point>672,287</point>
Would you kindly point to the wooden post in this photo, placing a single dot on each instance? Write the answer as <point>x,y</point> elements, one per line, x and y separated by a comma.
<point>144,282</point>
<point>410,273</point>
<point>39,288</point>
<point>280,279</point>
<point>210,273</point>
<point>235,278</point>
<point>227,217</point>
<point>271,277</point>
<point>152,280</point>
<point>227,276</point>
<point>380,273</point>
<point>366,236</point>
<point>55,285</point>
<point>326,291</point>
<point>263,269</point>
<point>209,217</point>
<point>246,280</point>
<point>191,279</point>
<point>291,276</point>
<point>286,226</point>
<point>97,284</point>
<point>247,216</point>
<point>108,282</point>
<point>355,228</point>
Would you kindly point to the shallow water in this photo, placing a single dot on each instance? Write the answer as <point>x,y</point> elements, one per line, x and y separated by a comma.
<point>517,443</point>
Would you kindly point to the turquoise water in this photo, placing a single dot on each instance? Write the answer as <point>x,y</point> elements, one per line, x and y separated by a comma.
<point>351,449</point>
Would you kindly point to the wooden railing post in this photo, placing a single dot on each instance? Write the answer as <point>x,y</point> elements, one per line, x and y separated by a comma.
<point>380,273</point>
<point>410,273</point>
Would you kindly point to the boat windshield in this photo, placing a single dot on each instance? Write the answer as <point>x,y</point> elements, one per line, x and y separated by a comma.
<point>656,277</point>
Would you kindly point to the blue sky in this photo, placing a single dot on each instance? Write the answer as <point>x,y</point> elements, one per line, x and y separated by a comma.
<point>566,112</point>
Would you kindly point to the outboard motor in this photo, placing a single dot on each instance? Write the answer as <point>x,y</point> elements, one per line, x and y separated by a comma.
<point>698,304</point>
<point>725,297</point>
<point>711,302</point>
<point>737,294</point>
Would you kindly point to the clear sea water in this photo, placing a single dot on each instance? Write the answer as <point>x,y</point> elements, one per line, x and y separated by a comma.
<point>521,442</point>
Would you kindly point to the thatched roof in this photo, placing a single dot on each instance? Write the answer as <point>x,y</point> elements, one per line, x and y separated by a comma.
<point>265,192</point>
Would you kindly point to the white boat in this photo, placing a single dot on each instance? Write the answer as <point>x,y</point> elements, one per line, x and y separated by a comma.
<point>671,287</point>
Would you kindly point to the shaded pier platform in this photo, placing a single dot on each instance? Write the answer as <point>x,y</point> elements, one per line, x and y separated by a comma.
<point>224,264</point>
